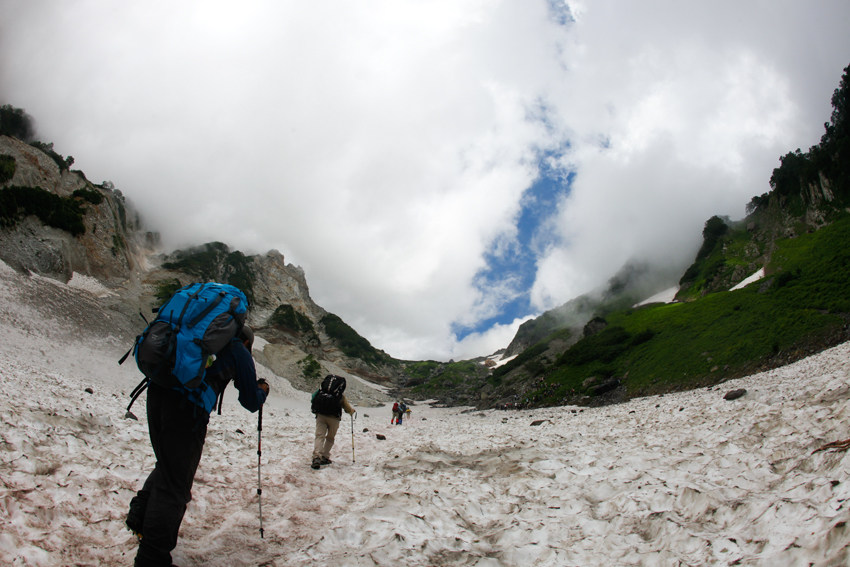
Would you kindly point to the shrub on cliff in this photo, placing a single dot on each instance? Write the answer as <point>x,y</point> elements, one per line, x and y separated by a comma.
<point>63,213</point>
<point>7,168</point>
<point>15,122</point>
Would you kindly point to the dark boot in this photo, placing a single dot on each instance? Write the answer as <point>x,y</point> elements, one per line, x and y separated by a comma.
<point>325,461</point>
<point>317,462</point>
<point>136,516</point>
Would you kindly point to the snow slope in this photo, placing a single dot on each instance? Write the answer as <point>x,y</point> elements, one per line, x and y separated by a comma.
<point>748,280</point>
<point>685,479</point>
<point>666,296</point>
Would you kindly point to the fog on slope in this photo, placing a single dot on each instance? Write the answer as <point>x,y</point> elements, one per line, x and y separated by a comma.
<point>681,479</point>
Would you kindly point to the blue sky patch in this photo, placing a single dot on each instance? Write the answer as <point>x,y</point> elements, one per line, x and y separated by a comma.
<point>515,266</point>
<point>559,12</point>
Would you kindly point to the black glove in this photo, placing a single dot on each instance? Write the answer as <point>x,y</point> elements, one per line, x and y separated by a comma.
<point>261,383</point>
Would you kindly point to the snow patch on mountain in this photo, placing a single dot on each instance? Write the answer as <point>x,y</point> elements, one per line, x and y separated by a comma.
<point>666,296</point>
<point>747,281</point>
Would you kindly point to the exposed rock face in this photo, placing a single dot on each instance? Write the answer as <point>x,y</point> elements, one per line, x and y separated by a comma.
<point>287,361</point>
<point>111,246</point>
<point>115,250</point>
<point>277,283</point>
<point>35,168</point>
<point>594,326</point>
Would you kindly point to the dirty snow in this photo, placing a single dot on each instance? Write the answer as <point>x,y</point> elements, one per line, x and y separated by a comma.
<point>685,479</point>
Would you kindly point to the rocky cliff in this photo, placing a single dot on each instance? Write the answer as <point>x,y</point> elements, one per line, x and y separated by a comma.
<point>56,223</point>
<point>112,245</point>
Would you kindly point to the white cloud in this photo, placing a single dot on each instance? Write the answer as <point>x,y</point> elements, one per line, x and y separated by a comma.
<point>384,145</point>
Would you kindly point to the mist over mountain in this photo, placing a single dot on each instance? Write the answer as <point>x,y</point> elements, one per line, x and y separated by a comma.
<point>762,291</point>
<point>603,345</point>
<point>635,282</point>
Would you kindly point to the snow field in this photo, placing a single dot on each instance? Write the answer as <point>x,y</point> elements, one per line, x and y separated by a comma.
<point>684,479</point>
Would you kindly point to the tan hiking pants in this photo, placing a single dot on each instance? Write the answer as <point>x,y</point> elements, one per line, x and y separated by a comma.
<point>326,427</point>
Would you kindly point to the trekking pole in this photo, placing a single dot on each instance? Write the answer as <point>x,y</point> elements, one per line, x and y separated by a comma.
<point>259,464</point>
<point>352,438</point>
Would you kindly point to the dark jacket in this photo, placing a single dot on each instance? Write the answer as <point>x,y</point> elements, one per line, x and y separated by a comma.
<point>343,405</point>
<point>236,363</point>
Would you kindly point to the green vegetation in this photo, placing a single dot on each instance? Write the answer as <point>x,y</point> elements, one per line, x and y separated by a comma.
<point>525,356</point>
<point>433,377</point>
<point>710,258</point>
<point>685,345</point>
<point>351,343</point>
<point>311,369</point>
<point>798,180</point>
<point>537,329</point>
<point>89,195</point>
<point>215,262</point>
<point>803,305</point>
<point>63,213</point>
<point>64,163</point>
<point>419,372</point>
<point>812,270</point>
<point>287,316</point>
<point>166,288</point>
<point>7,168</point>
<point>604,346</point>
<point>15,122</point>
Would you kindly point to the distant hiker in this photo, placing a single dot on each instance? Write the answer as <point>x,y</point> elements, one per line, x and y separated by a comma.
<point>178,428</point>
<point>327,403</point>
<point>395,414</point>
<point>402,407</point>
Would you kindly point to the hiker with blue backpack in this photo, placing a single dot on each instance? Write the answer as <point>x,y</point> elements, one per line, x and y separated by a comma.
<point>327,403</point>
<point>197,344</point>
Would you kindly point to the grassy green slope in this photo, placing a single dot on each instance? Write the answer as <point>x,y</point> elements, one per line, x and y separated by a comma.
<point>801,308</point>
<point>430,378</point>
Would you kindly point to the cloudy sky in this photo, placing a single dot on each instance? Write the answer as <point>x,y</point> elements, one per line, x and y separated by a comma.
<point>441,169</point>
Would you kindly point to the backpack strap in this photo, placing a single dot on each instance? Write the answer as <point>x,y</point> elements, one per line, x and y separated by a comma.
<point>221,396</point>
<point>213,304</point>
<point>123,358</point>
<point>137,391</point>
<point>186,306</point>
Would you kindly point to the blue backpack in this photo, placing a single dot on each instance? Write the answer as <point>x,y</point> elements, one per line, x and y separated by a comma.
<point>176,348</point>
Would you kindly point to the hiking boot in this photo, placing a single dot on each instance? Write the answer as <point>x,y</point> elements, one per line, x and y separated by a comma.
<point>136,515</point>
<point>317,462</point>
<point>325,461</point>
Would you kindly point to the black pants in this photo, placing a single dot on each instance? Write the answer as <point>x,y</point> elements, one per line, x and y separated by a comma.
<point>177,434</point>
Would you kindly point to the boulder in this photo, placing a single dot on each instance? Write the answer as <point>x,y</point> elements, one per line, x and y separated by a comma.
<point>734,394</point>
<point>606,387</point>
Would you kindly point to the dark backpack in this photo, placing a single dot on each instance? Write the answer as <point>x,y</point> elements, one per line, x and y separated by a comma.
<point>176,348</point>
<point>328,399</point>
